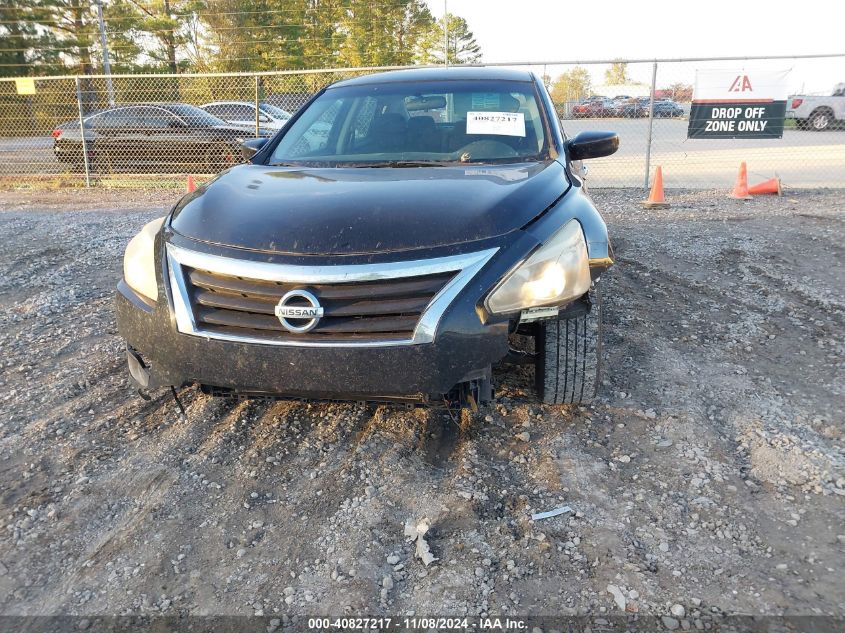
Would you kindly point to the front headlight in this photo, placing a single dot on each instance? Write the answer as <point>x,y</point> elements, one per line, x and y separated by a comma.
<point>139,269</point>
<point>555,273</point>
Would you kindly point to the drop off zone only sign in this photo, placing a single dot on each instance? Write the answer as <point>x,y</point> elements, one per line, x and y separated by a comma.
<point>738,104</point>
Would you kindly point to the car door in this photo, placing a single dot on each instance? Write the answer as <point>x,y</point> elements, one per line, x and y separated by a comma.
<point>243,114</point>
<point>216,109</point>
<point>99,132</point>
<point>139,137</point>
<point>235,113</point>
<point>117,133</point>
<point>165,137</point>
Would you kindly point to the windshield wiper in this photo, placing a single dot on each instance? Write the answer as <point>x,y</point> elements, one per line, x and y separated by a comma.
<point>374,164</point>
<point>284,164</point>
<point>403,163</point>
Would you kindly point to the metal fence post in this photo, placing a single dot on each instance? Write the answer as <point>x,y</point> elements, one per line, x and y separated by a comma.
<point>105,46</point>
<point>650,125</point>
<point>82,131</point>
<point>256,105</point>
<point>445,33</point>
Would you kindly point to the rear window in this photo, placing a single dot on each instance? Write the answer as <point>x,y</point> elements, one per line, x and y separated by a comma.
<point>419,122</point>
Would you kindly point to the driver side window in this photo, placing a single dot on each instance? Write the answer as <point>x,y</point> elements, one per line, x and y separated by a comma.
<point>155,118</point>
<point>315,138</point>
<point>364,119</point>
<point>242,113</point>
<point>113,120</point>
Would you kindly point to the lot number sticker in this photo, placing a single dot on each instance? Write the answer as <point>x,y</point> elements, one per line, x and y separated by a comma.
<point>738,104</point>
<point>500,123</point>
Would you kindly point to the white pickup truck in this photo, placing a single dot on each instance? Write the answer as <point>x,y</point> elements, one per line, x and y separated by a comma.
<point>818,113</point>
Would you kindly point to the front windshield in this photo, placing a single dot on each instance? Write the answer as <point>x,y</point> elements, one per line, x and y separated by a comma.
<point>273,111</point>
<point>417,123</point>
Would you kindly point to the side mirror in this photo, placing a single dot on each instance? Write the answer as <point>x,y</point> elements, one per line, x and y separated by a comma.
<point>592,145</point>
<point>250,147</point>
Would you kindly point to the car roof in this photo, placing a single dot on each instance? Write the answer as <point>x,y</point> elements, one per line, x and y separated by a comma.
<point>211,103</point>
<point>153,104</point>
<point>246,103</point>
<point>123,106</point>
<point>157,104</point>
<point>439,74</point>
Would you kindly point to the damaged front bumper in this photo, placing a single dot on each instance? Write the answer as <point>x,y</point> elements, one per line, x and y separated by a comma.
<point>163,351</point>
<point>165,348</point>
<point>158,356</point>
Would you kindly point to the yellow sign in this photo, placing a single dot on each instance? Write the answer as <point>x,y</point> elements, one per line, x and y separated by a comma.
<point>25,85</point>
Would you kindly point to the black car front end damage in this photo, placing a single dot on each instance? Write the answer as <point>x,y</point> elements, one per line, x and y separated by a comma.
<point>359,282</point>
<point>444,356</point>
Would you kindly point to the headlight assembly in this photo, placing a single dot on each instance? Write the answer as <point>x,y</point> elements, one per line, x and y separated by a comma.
<point>557,272</point>
<point>139,261</point>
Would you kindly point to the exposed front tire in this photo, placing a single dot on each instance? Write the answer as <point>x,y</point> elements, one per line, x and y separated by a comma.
<point>567,355</point>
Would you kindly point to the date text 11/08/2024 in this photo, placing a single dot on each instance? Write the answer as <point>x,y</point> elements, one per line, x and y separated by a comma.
<point>416,624</point>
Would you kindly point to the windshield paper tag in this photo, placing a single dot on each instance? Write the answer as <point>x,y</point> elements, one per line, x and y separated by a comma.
<point>501,123</point>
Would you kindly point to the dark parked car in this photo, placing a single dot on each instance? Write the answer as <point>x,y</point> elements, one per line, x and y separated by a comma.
<point>666,108</point>
<point>171,135</point>
<point>616,103</point>
<point>388,244</point>
<point>242,113</point>
<point>638,107</point>
<point>633,108</point>
<point>593,107</point>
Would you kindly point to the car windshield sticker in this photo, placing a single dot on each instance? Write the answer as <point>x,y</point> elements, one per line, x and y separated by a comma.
<point>486,100</point>
<point>501,123</point>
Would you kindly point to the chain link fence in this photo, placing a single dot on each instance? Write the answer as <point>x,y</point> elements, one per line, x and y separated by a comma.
<point>155,129</point>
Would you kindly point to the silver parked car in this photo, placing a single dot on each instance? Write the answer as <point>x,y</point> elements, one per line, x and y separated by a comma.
<point>243,113</point>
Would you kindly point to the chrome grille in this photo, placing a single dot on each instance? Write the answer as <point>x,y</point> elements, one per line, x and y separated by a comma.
<point>378,304</point>
<point>378,309</point>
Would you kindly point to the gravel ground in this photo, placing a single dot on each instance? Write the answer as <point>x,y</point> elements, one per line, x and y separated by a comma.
<point>708,479</point>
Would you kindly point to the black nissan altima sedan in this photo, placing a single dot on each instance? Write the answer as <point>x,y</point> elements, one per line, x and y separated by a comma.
<point>177,136</point>
<point>390,244</point>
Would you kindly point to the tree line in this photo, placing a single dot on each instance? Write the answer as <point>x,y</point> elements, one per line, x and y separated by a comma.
<point>62,36</point>
<point>576,84</point>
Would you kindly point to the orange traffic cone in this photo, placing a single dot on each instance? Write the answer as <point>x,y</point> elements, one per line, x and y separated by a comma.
<point>655,198</point>
<point>192,186</point>
<point>740,191</point>
<point>772,185</point>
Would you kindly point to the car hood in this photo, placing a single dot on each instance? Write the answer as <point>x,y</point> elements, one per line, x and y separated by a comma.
<point>344,211</point>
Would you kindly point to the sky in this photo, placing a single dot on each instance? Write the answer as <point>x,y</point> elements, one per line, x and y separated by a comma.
<point>547,30</point>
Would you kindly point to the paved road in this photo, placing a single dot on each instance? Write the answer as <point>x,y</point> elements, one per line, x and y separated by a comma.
<point>800,158</point>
